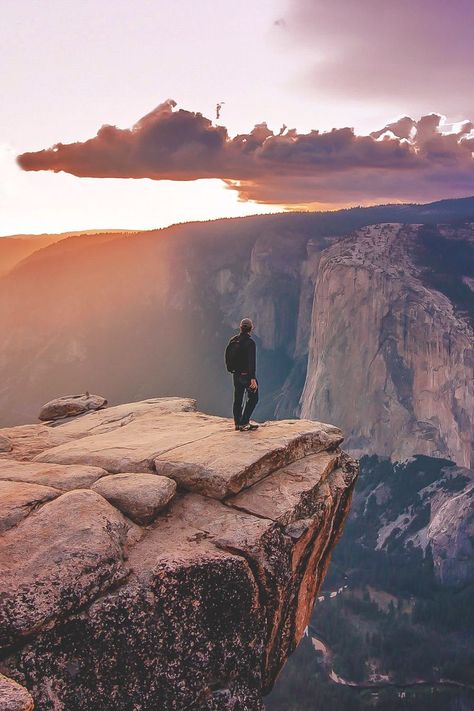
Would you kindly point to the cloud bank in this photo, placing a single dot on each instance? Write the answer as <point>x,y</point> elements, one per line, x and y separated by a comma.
<point>404,160</point>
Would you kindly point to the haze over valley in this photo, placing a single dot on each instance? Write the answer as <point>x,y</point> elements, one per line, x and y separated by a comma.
<point>362,316</point>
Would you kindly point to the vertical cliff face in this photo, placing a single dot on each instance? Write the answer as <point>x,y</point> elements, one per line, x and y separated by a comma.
<point>154,558</point>
<point>409,387</point>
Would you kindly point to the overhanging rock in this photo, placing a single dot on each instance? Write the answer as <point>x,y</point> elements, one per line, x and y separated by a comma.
<point>200,608</point>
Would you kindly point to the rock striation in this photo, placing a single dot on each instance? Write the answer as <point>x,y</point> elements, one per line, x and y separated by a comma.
<point>175,571</point>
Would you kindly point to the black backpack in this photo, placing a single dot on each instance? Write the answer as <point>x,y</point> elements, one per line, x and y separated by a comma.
<point>232,354</point>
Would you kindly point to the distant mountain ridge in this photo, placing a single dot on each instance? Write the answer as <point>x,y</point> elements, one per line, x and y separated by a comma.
<point>15,248</point>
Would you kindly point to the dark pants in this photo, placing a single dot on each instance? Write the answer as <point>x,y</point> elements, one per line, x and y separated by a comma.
<point>241,384</point>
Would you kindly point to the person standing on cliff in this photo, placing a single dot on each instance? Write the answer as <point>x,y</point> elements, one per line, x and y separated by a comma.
<point>240,358</point>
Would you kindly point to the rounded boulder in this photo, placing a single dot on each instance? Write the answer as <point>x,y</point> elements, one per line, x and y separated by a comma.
<point>71,406</point>
<point>140,496</point>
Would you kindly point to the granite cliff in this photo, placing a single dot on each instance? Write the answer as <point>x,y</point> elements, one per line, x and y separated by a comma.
<point>363,317</point>
<point>411,351</point>
<point>153,557</point>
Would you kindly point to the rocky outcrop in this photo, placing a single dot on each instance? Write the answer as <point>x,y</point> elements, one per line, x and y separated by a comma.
<point>450,534</point>
<point>445,512</point>
<point>184,582</point>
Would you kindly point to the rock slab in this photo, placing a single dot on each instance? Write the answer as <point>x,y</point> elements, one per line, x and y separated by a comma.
<point>57,476</point>
<point>18,499</point>
<point>224,463</point>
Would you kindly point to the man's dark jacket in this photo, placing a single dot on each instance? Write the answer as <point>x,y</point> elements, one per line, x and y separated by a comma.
<point>246,355</point>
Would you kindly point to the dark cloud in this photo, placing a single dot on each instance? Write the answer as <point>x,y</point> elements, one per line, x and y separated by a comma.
<point>164,144</point>
<point>405,160</point>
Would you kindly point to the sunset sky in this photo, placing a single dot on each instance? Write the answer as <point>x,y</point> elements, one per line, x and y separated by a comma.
<point>313,95</point>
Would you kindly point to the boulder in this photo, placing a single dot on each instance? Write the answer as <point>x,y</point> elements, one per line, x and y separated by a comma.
<point>14,697</point>
<point>139,496</point>
<point>18,499</point>
<point>70,406</point>
<point>58,476</point>
<point>58,559</point>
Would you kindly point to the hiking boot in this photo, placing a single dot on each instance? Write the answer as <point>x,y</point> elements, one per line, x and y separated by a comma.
<point>248,428</point>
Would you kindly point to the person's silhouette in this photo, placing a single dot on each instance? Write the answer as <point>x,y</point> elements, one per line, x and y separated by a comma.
<point>243,367</point>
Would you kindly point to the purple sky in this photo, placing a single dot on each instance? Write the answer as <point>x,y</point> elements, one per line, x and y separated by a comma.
<point>407,56</point>
<point>68,68</point>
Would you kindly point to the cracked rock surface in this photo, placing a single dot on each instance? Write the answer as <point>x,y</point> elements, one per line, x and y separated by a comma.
<point>162,560</point>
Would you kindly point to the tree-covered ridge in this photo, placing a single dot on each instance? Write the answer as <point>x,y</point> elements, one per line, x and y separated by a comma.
<point>447,262</point>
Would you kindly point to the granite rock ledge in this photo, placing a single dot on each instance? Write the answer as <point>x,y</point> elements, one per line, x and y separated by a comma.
<point>190,593</point>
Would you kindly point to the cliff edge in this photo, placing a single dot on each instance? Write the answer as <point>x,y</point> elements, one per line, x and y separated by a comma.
<point>154,558</point>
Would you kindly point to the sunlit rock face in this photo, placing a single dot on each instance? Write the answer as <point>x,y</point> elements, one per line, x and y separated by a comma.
<point>154,557</point>
<point>409,387</point>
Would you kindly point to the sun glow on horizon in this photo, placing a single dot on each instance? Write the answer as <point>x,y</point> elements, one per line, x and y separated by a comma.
<point>59,202</point>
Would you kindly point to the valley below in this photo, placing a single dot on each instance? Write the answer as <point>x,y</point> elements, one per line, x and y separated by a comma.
<point>386,632</point>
